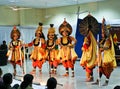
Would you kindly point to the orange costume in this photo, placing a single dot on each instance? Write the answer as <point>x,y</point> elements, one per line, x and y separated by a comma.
<point>15,54</point>
<point>52,49</point>
<point>67,43</point>
<point>38,53</point>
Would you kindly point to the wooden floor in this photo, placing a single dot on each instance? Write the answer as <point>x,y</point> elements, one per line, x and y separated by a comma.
<point>77,82</point>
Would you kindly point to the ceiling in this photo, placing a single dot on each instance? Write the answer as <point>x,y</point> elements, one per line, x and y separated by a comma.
<point>43,3</point>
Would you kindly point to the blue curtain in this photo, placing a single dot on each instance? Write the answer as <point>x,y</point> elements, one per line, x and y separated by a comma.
<point>79,39</point>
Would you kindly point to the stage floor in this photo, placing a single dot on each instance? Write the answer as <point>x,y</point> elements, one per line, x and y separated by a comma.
<point>77,82</point>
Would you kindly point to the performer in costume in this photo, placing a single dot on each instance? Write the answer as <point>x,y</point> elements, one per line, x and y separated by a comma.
<point>88,55</point>
<point>38,53</point>
<point>52,49</point>
<point>106,59</point>
<point>15,54</point>
<point>89,27</point>
<point>67,43</point>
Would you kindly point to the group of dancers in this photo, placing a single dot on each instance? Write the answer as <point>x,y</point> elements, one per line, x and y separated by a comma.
<point>61,50</point>
<point>55,50</point>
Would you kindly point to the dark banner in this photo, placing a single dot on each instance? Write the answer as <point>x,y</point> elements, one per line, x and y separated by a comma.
<point>79,39</point>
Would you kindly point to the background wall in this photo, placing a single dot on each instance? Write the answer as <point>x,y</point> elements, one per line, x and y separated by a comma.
<point>108,9</point>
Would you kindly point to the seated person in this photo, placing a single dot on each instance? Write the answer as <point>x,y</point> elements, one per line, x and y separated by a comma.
<point>51,83</point>
<point>1,79</point>
<point>4,46</point>
<point>117,87</point>
<point>27,82</point>
<point>7,81</point>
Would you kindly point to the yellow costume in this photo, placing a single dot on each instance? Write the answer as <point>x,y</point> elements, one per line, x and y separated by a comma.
<point>88,57</point>
<point>52,49</point>
<point>109,54</point>
<point>38,55</point>
<point>15,54</point>
<point>106,58</point>
<point>67,43</point>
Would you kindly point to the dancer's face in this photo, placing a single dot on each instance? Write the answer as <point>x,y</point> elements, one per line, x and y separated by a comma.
<point>38,34</point>
<point>51,36</point>
<point>65,33</point>
<point>15,36</point>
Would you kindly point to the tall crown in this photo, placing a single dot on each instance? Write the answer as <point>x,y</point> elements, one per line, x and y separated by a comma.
<point>105,28</point>
<point>65,26</point>
<point>39,29</point>
<point>15,30</point>
<point>103,25</point>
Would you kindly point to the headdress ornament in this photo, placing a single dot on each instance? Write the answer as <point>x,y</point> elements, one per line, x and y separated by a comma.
<point>89,23</point>
<point>39,29</point>
<point>103,25</point>
<point>65,26</point>
<point>105,28</point>
<point>51,29</point>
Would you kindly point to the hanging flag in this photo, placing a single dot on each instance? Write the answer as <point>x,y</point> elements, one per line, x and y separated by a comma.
<point>115,39</point>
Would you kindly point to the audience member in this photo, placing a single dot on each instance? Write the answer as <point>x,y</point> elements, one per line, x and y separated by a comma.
<point>2,86</point>
<point>7,81</point>
<point>117,87</point>
<point>51,83</point>
<point>27,82</point>
<point>1,79</point>
<point>16,86</point>
<point>4,46</point>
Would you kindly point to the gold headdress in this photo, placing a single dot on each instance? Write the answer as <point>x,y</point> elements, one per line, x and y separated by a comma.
<point>65,26</point>
<point>51,29</point>
<point>105,28</point>
<point>15,31</point>
<point>39,29</point>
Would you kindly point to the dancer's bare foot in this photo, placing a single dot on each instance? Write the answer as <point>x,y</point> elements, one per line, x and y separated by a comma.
<point>66,74</point>
<point>90,79</point>
<point>33,72</point>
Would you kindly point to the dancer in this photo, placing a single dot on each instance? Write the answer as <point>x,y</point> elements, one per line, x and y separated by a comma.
<point>52,49</point>
<point>38,53</point>
<point>88,57</point>
<point>67,43</point>
<point>106,59</point>
<point>15,54</point>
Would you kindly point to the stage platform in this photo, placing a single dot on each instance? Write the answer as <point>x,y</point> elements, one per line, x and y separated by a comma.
<point>77,82</point>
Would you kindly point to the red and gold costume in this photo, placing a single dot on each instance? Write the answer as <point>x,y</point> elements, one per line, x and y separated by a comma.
<point>106,59</point>
<point>52,49</point>
<point>15,54</point>
<point>88,57</point>
<point>67,43</point>
<point>38,54</point>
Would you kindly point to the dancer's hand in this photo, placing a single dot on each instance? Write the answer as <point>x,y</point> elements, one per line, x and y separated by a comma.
<point>71,45</point>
